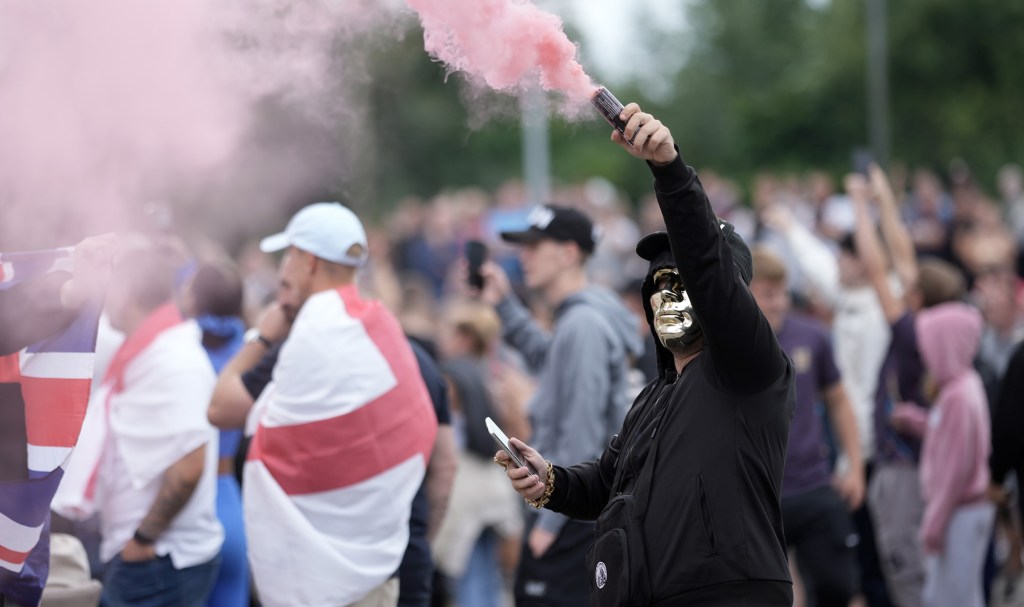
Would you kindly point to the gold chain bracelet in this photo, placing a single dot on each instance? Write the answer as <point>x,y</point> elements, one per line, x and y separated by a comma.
<point>550,486</point>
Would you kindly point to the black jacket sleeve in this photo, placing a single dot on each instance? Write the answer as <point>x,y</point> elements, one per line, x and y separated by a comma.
<point>745,355</point>
<point>1008,421</point>
<point>583,490</point>
<point>31,311</point>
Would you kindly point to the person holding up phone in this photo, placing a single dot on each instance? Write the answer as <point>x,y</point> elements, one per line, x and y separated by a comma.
<point>581,396</point>
<point>476,255</point>
<point>687,495</point>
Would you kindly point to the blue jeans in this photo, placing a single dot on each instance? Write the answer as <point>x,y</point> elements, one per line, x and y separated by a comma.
<point>231,588</point>
<point>156,583</point>
<point>481,584</point>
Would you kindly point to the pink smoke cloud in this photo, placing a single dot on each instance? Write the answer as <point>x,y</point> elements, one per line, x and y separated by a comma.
<point>101,105</point>
<point>508,44</point>
<point>110,106</point>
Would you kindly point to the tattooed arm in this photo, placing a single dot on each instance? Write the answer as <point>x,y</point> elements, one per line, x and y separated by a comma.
<point>176,489</point>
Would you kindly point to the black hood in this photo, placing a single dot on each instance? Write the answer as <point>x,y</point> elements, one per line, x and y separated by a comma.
<point>656,249</point>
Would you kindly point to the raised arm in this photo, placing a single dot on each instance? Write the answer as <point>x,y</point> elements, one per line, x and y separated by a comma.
<point>517,325</point>
<point>36,309</point>
<point>745,353</point>
<point>897,237</point>
<point>818,264</point>
<point>32,310</point>
<point>870,249</point>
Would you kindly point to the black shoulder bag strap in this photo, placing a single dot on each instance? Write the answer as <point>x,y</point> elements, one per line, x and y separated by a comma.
<point>643,484</point>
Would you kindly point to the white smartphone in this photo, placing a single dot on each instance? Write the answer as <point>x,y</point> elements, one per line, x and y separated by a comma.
<point>499,437</point>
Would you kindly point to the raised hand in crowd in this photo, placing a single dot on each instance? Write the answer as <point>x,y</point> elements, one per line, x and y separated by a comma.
<point>649,139</point>
<point>496,284</point>
<point>897,238</point>
<point>93,260</point>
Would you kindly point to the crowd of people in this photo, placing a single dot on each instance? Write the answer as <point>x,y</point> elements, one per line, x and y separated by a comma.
<point>822,386</point>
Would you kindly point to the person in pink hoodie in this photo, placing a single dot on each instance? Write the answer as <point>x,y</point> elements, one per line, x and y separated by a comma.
<point>958,517</point>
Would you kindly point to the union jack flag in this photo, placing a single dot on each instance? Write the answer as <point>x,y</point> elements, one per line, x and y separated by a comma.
<point>54,376</point>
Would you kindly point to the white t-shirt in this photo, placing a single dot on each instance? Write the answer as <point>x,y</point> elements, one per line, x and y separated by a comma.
<point>157,419</point>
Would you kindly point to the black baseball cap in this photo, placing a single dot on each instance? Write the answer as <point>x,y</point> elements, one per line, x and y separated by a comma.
<point>655,248</point>
<point>554,222</point>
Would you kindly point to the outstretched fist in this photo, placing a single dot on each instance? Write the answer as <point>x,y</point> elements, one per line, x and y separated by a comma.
<point>646,137</point>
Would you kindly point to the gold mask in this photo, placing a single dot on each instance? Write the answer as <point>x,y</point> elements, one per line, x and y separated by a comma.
<point>675,322</point>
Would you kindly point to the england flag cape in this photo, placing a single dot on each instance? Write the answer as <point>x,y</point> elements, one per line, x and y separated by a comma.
<point>342,437</point>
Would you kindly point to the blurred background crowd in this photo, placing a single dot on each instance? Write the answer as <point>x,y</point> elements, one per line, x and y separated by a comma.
<point>807,222</point>
<point>767,103</point>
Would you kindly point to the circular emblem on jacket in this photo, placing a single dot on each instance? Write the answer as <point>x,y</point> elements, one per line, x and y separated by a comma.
<point>601,575</point>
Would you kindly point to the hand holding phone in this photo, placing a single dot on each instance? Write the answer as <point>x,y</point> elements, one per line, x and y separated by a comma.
<point>476,255</point>
<point>513,454</point>
<point>862,160</point>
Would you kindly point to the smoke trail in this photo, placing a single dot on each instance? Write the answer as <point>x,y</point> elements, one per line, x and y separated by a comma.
<point>508,44</point>
<point>109,105</point>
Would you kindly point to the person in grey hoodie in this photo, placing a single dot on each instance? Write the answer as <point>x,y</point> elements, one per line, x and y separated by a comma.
<point>582,393</point>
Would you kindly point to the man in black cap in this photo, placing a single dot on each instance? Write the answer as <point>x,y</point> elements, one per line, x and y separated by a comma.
<point>581,397</point>
<point>686,496</point>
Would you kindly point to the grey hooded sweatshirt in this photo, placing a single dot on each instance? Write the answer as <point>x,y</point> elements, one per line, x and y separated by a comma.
<point>582,366</point>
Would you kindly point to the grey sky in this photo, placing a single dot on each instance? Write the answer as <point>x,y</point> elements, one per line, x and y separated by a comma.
<point>605,44</point>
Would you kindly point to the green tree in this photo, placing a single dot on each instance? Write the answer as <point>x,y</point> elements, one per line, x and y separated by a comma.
<point>766,85</point>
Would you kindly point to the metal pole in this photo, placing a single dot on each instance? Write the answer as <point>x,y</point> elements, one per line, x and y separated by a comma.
<point>878,79</point>
<point>536,147</point>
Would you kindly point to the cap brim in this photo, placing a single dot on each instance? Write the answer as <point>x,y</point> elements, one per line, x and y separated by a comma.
<point>522,236</point>
<point>274,243</point>
<point>652,245</point>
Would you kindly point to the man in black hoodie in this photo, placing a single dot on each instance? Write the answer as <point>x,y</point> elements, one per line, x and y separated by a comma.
<point>686,496</point>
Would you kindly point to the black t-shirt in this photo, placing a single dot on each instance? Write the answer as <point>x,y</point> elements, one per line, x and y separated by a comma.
<point>417,569</point>
<point>257,378</point>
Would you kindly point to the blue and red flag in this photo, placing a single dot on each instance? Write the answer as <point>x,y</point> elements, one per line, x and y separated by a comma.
<point>54,378</point>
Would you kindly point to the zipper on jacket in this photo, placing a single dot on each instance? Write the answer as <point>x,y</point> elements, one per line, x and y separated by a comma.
<point>705,514</point>
<point>625,457</point>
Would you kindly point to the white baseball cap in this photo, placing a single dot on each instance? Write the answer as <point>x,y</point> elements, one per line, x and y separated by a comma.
<point>325,229</point>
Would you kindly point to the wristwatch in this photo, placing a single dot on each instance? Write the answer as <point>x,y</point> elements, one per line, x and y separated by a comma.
<point>143,539</point>
<point>253,335</point>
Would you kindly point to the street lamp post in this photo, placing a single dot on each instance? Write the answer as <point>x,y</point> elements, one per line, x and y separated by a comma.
<point>536,147</point>
<point>877,29</point>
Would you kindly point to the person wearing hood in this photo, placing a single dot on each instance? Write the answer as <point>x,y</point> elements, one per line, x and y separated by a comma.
<point>687,495</point>
<point>582,394</point>
<point>958,516</point>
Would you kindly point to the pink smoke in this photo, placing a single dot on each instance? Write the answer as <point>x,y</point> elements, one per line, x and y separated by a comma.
<point>96,105</point>
<point>111,107</point>
<point>509,44</point>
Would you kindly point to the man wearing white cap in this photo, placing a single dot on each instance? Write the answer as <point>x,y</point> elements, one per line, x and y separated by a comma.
<point>341,435</point>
